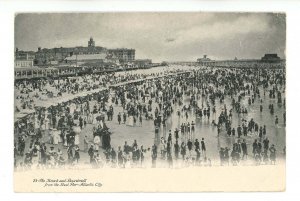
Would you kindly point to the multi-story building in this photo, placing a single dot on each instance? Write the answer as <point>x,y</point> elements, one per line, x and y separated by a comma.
<point>124,55</point>
<point>23,63</point>
<point>23,58</point>
<point>24,55</point>
<point>56,55</point>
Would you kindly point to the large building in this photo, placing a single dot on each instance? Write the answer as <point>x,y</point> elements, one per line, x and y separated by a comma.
<point>124,55</point>
<point>24,59</point>
<point>23,63</point>
<point>24,55</point>
<point>55,56</point>
<point>47,56</point>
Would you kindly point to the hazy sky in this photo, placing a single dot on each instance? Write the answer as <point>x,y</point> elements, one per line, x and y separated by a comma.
<point>158,36</point>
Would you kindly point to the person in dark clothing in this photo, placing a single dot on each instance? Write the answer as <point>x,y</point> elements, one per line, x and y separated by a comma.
<point>120,158</point>
<point>168,148</point>
<point>260,108</point>
<point>266,144</point>
<point>70,154</point>
<point>198,154</point>
<point>265,130</point>
<point>176,149</point>
<point>260,132</point>
<point>221,154</point>
<point>170,138</point>
<point>126,148</point>
<point>80,122</point>
<point>259,148</point>
<point>154,156</point>
<point>244,149</point>
<point>273,154</point>
<point>76,154</point>
<point>203,147</point>
<point>197,144</point>
<point>124,118</point>
<point>119,118</point>
<point>43,154</point>
<point>190,146</point>
<point>254,147</point>
<point>176,132</point>
<point>113,156</point>
<point>142,155</point>
<point>183,150</point>
<point>239,131</point>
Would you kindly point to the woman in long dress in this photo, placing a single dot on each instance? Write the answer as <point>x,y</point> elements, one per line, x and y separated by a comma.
<point>55,136</point>
<point>77,131</point>
<point>77,139</point>
<point>130,121</point>
<point>97,142</point>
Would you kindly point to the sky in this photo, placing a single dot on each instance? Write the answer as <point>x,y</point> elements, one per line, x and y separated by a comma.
<point>176,36</point>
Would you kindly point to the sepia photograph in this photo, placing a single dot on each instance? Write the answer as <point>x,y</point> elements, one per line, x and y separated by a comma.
<point>109,92</point>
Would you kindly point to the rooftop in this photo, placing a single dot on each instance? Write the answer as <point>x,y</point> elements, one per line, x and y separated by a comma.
<point>79,57</point>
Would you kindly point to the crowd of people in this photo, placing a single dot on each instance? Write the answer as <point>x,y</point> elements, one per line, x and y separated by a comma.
<point>216,95</point>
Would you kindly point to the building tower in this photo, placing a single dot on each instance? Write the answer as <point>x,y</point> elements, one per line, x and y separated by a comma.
<point>91,42</point>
